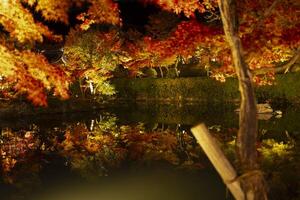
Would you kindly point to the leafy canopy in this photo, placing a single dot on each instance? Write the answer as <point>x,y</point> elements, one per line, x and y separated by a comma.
<point>269,30</point>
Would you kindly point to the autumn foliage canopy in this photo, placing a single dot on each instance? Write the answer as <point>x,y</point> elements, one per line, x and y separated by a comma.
<point>100,40</point>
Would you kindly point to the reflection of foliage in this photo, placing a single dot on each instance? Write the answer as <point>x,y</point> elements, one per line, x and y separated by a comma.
<point>107,124</point>
<point>16,145</point>
<point>279,161</point>
<point>108,147</point>
<point>271,149</point>
<point>98,148</point>
<point>17,148</point>
<point>103,146</point>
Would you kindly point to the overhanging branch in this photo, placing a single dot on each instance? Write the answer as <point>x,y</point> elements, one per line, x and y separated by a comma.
<point>280,69</point>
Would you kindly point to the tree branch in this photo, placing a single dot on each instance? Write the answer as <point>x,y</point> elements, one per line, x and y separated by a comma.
<point>267,13</point>
<point>280,69</point>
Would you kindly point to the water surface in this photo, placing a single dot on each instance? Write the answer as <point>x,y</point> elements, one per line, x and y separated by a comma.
<point>137,152</point>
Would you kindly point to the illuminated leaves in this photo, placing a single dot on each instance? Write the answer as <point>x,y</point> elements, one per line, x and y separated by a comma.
<point>19,22</point>
<point>95,54</point>
<point>100,11</point>
<point>265,79</point>
<point>181,42</point>
<point>188,8</point>
<point>269,31</point>
<point>93,48</point>
<point>33,75</point>
<point>30,73</point>
<point>7,63</point>
<point>25,71</point>
<point>54,10</point>
<point>269,38</point>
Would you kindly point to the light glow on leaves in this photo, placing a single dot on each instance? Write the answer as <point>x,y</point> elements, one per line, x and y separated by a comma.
<point>19,22</point>
<point>188,8</point>
<point>54,10</point>
<point>269,38</point>
<point>100,11</point>
<point>182,42</point>
<point>32,74</point>
<point>94,55</point>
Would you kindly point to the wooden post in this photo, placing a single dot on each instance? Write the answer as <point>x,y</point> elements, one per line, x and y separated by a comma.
<point>219,161</point>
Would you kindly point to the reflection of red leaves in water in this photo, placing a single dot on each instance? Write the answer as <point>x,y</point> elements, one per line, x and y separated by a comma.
<point>15,148</point>
<point>8,164</point>
<point>130,143</point>
<point>103,148</point>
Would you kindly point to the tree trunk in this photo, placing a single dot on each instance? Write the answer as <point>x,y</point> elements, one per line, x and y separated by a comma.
<point>161,72</point>
<point>176,71</point>
<point>176,67</point>
<point>253,183</point>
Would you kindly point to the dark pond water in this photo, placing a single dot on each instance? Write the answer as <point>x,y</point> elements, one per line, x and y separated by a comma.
<point>137,152</point>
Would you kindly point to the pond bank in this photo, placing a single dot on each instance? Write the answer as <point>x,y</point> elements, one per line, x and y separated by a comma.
<point>9,109</point>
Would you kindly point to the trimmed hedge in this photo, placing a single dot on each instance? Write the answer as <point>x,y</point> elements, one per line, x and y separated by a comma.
<point>175,89</point>
<point>286,89</point>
